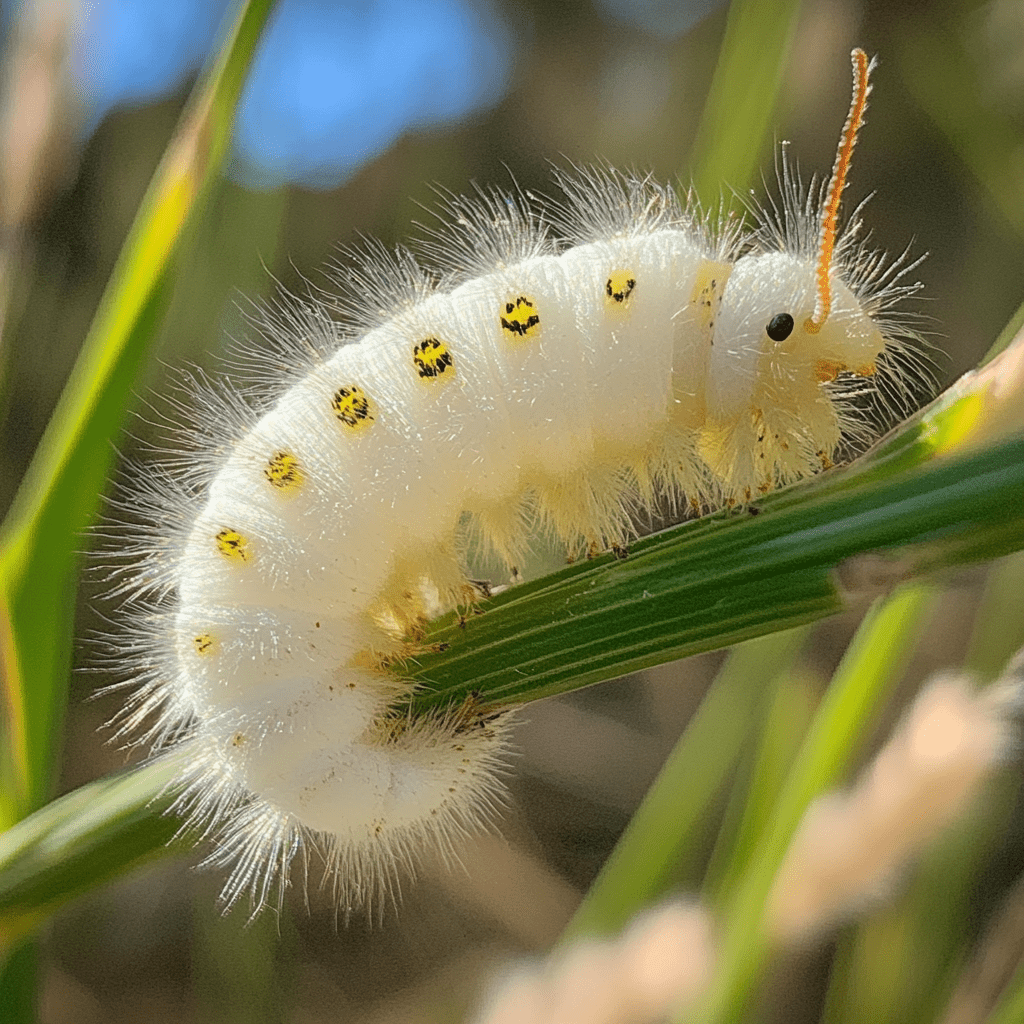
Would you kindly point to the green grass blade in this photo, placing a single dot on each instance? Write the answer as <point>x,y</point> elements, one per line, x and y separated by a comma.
<point>79,841</point>
<point>1010,1008</point>
<point>873,664</point>
<point>740,107</point>
<point>19,976</point>
<point>60,493</point>
<point>790,702</point>
<point>641,866</point>
<point>726,578</point>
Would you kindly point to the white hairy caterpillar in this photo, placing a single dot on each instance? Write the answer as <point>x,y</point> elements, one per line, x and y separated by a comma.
<point>534,381</point>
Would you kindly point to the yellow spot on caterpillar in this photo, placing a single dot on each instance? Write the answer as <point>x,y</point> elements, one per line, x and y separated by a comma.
<point>826,462</point>
<point>706,297</point>
<point>205,644</point>
<point>233,546</point>
<point>619,287</point>
<point>283,471</point>
<point>520,318</point>
<point>432,359</point>
<point>867,370</point>
<point>353,406</point>
<point>826,370</point>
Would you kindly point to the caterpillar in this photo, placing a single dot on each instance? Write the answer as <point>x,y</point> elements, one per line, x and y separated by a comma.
<point>560,368</point>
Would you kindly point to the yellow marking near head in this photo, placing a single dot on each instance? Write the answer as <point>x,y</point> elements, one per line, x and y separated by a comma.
<point>826,370</point>
<point>432,359</point>
<point>205,644</point>
<point>283,472</point>
<point>867,370</point>
<point>233,546</point>
<point>353,406</point>
<point>619,288</point>
<point>706,296</point>
<point>520,318</point>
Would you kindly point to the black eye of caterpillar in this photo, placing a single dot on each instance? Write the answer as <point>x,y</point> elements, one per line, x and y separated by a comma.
<point>780,327</point>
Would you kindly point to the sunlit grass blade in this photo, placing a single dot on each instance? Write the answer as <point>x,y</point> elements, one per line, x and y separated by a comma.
<point>60,493</point>
<point>42,535</point>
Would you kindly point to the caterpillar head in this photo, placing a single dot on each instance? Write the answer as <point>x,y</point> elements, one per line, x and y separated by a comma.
<point>766,320</point>
<point>788,326</point>
<point>792,318</point>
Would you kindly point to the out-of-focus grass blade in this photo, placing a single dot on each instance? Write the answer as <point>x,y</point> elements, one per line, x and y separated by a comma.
<point>741,101</point>
<point>939,71</point>
<point>79,841</point>
<point>1010,1008</point>
<point>871,667</point>
<point>641,866</point>
<point>59,495</point>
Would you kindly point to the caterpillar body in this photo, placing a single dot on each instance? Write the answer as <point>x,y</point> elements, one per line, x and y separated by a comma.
<point>555,381</point>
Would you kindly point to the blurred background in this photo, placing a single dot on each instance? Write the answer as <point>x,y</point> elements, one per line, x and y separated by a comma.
<point>354,109</point>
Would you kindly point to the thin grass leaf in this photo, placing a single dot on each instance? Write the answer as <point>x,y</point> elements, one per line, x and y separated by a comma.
<point>873,664</point>
<point>642,864</point>
<point>744,91</point>
<point>59,496</point>
<point>80,841</point>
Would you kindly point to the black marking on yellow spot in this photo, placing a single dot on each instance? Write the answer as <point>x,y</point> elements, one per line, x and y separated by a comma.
<point>353,406</point>
<point>619,287</point>
<point>205,644</point>
<point>520,317</point>
<point>282,471</point>
<point>233,545</point>
<point>432,359</point>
